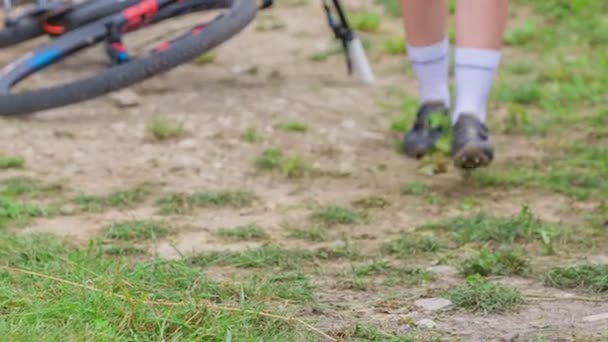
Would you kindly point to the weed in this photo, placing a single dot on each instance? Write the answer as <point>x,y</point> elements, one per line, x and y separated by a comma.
<point>20,186</point>
<point>250,135</point>
<point>162,128</point>
<point>205,59</point>
<point>334,215</point>
<point>117,199</point>
<point>524,94</point>
<point>293,126</point>
<point>411,244</point>
<point>136,230</point>
<point>287,166</point>
<point>372,202</point>
<point>255,258</point>
<point>479,295</point>
<point>586,277</point>
<point>314,233</point>
<point>366,21</point>
<point>11,162</point>
<point>182,203</point>
<point>415,188</point>
<point>12,211</point>
<point>506,261</point>
<point>523,227</point>
<point>522,35</point>
<point>247,232</point>
<point>395,46</point>
<point>519,68</point>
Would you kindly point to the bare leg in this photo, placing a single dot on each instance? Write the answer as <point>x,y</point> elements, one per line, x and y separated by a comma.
<point>425,21</point>
<point>480,25</point>
<point>425,25</point>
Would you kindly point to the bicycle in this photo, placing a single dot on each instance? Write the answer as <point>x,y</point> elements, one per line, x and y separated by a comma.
<point>76,26</point>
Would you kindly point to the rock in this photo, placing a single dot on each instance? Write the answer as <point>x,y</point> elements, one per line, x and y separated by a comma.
<point>125,98</point>
<point>443,270</point>
<point>596,318</point>
<point>426,324</point>
<point>433,304</point>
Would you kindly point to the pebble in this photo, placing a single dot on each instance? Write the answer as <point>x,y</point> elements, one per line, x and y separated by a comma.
<point>125,98</point>
<point>433,304</point>
<point>426,324</point>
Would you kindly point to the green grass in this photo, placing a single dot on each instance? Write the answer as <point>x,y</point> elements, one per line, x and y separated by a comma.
<point>204,59</point>
<point>395,46</point>
<point>136,230</point>
<point>480,295</point>
<point>164,128</point>
<point>314,234</point>
<point>415,188</point>
<point>17,212</point>
<point>505,261</point>
<point>334,215</point>
<point>524,227</point>
<point>274,160</point>
<point>250,135</point>
<point>366,21</point>
<point>21,186</point>
<point>184,203</point>
<point>293,126</point>
<point>57,301</point>
<point>263,257</point>
<point>379,271</point>
<point>408,245</point>
<point>118,199</point>
<point>585,277</point>
<point>244,233</point>
<point>11,162</point>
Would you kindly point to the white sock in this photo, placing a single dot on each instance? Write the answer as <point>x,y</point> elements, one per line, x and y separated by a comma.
<point>475,71</point>
<point>431,66</point>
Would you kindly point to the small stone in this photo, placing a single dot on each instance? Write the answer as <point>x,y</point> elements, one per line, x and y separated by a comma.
<point>433,304</point>
<point>349,124</point>
<point>426,324</point>
<point>125,98</point>
<point>596,318</point>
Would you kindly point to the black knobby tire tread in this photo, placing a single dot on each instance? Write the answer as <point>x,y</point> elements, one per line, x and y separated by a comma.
<point>24,30</point>
<point>242,12</point>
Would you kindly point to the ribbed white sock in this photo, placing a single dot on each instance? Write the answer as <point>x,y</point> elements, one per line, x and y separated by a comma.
<point>431,66</point>
<point>475,71</point>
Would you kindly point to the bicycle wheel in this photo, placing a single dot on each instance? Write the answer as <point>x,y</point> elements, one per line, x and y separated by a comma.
<point>182,50</point>
<point>25,29</point>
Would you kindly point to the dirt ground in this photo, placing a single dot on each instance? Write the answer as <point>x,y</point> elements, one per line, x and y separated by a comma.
<point>98,147</point>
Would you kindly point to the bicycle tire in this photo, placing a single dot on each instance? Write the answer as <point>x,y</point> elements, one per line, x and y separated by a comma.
<point>241,13</point>
<point>25,30</point>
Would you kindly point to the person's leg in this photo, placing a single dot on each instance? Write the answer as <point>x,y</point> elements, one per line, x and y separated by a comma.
<point>425,25</point>
<point>480,25</point>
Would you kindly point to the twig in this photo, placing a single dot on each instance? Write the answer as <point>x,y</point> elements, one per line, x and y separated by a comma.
<point>167,303</point>
<point>574,298</point>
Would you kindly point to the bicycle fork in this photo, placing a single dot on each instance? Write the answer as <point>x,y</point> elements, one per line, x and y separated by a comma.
<point>356,59</point>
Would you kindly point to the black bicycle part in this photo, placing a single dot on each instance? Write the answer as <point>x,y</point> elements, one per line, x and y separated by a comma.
<point>341,28</point>
<point>240,14</point>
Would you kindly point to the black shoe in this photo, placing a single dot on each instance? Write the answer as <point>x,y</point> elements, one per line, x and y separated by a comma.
<point>422,137</point>
<point>471,147</point>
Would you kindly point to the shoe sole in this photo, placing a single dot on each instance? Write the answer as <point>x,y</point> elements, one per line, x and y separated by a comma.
<point>471,157</point>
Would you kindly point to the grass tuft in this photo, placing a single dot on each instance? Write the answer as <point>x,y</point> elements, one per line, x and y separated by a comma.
<point>11,162</point>
<point>586,277</point>
<point>293,126</point>
<point>479,295</point>
<point>136,230</point>
<point>20,186</point>
<point>506,261</point>
<point>366,21</point>
<point>245,233</point>
<point>163,128</point>
<point>315,234</point>
<point>287,166</point>
<point>411,244</point>
<point>117,199</point>
<point>334,215</point>
<point>182,203</point>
